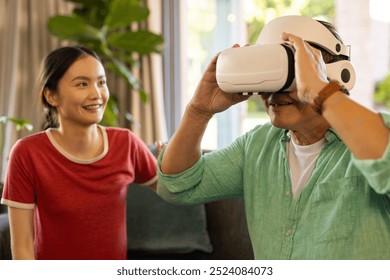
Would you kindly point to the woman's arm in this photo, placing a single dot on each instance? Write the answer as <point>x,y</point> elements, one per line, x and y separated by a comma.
<point>362,130</point>
<point>22,233</point>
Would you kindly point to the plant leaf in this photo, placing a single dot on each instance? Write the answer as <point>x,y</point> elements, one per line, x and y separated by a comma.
<point>143,95</point>
<point>72,28</point>
<point>110,117</point>
<point>124,12</point>
<point>121,69</point>
<point>20,123</point>
<point>142,41</point>
<point>92,11</point>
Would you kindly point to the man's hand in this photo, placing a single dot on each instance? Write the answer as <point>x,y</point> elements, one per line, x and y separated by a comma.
<point>310,70</point>
<point>209,98</point>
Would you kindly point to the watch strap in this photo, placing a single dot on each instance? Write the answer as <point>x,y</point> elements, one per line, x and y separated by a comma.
<point>325,93</point>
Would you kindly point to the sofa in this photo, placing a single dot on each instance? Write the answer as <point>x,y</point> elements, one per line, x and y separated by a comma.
<point>5,241</point>
<point>160,230</point>
<point>157,229</point>
<point>217,231</point>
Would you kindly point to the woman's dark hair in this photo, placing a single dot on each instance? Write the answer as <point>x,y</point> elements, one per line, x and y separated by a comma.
<point>53,68</point>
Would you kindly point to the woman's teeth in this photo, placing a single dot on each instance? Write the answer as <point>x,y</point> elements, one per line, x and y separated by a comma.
<point>92,107</point>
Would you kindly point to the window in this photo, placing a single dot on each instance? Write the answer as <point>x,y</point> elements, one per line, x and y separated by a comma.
<point>211,26</point>
<point>199,29</point>
<point>215,25</point>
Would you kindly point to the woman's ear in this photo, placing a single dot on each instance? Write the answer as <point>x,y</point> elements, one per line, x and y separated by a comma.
<point>50,97</point>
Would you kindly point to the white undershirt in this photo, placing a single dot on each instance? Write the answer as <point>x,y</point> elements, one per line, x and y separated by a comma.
<point>302,160</point>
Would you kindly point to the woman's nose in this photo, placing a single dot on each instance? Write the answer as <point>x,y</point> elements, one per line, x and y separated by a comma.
<point>96,91</point>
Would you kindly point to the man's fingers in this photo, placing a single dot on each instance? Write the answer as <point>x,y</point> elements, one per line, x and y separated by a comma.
<point>297,41</point>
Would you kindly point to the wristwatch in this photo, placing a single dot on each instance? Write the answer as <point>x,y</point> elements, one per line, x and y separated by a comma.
<point>324,94</point>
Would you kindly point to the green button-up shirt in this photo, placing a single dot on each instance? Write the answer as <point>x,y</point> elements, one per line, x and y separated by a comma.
<point>343,211</point>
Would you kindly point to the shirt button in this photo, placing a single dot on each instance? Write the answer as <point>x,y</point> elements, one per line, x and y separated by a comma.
<point>287,193</point>
<point>289,232</point>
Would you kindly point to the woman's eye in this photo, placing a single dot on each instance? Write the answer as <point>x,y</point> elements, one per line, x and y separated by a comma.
<point>83,84</point>
<point>102,82</point>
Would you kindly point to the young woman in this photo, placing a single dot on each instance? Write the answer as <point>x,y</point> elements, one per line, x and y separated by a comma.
<point>66,187</point>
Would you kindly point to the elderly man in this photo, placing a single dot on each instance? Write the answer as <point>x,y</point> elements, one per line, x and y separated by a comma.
<point>315,180</point>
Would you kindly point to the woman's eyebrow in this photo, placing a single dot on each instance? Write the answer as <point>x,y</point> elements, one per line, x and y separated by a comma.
<point>80,78</point>
<point>86,78</point>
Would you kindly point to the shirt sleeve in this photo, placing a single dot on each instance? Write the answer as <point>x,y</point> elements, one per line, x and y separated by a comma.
<point>145,163</point>
<point>215,176</point>
<point>18,186</point>
<point>377,171</point>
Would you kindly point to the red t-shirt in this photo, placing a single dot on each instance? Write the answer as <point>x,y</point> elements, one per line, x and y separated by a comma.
<point>79,206</point>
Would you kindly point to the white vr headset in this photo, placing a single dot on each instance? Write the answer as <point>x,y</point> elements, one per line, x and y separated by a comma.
<point>268,66</point>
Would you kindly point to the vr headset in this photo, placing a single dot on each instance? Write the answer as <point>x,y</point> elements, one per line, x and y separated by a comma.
<point>268,66</point>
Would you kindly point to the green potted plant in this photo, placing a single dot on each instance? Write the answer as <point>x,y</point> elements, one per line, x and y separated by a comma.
<point>106,27</point>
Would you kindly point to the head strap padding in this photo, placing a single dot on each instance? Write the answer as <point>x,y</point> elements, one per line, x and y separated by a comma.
<point>308,29</point>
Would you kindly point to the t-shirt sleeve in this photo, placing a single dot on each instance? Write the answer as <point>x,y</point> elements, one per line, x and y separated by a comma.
<point>145,163</point>
<point>19,186</point>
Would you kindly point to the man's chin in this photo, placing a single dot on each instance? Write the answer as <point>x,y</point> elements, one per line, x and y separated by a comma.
<point>278,125</point>
<point>278,122</point>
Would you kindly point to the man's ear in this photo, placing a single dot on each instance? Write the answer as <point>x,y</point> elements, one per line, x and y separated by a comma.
<point>50,97</point>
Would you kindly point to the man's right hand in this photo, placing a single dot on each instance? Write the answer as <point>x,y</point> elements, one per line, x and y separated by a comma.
<point>209,98</point>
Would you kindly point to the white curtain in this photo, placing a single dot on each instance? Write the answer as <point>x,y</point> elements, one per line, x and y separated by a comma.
<point>25,40</point>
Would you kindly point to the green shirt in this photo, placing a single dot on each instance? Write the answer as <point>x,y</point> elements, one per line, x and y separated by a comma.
<point>343,211</point>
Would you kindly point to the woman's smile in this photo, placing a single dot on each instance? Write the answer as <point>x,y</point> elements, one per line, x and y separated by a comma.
<point>92,107</point>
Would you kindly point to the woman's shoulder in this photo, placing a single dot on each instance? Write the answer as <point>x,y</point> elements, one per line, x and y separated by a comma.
<point>29,144</point>
<point>121,134</point>
<point>34,137</point>
<point>118,131</point>
<point>33,140</point>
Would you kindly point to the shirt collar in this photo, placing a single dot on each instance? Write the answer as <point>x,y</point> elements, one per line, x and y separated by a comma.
<point>330,136</point>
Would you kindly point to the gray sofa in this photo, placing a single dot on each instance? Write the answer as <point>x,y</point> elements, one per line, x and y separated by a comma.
<point>160,230</point>
<point>157,229</point>
<point>218,232</point>
<point>5,242</point>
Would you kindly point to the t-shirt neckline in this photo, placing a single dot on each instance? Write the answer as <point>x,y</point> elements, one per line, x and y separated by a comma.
<point>76,159</point>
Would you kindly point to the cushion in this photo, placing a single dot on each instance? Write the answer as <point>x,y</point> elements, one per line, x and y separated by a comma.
<point>156,226</point>
<point>5,240</point>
